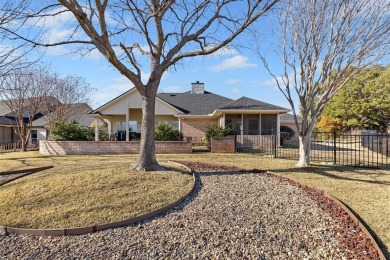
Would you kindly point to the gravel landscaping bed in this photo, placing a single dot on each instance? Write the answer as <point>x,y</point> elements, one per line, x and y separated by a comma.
<point>232,214</point>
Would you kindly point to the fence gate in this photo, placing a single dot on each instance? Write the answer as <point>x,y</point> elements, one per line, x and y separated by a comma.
<point>360,150</point>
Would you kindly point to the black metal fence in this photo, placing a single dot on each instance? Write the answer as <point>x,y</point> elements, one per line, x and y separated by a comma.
<point>363,150</point>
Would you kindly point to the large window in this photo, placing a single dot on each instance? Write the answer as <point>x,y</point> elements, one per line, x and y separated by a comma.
<point>121,126</point>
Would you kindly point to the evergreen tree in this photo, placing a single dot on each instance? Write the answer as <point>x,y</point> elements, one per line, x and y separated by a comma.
<point>364,102</point>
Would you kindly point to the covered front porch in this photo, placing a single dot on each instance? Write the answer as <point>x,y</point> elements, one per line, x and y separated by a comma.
<point>127,127</point>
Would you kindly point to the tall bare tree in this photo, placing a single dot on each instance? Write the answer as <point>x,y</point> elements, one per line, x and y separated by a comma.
<point>156,34</point>
<point>24,92</point>
<point>67,100</point>
<point>322,45</point>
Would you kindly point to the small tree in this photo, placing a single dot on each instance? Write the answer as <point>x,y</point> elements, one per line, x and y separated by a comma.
<point>165,132</point>
<point>330,124</point>
<point>322,45</point>
<point>67,99</point>
<point>213,130</point>
<point>24,92</point>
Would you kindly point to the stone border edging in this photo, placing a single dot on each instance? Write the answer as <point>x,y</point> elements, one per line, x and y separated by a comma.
<point>23,173</point>
<point>91,229</point>
<point>341,205</point>
<point>319,191</point>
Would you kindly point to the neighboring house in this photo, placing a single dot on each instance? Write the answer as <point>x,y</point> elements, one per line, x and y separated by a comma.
<point>190,112</point>
<point>39,129</point>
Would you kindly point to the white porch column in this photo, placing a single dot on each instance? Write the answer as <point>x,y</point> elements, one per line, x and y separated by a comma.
<point>224,120</point>
<point>127,125</point>
<point>96,129</point>
<point>278,127</point>
<point>109,128</point>
<point>179,123</point>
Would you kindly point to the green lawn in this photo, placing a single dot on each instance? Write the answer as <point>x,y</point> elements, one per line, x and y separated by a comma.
<point>365,191</point>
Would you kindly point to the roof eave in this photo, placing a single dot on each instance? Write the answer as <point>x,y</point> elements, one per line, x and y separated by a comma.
<point>243,111</point>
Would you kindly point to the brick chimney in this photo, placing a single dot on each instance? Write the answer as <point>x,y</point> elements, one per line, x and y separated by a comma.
<point>197,88</point>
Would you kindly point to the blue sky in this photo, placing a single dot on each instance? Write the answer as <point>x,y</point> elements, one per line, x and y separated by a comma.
<point>232,74</point>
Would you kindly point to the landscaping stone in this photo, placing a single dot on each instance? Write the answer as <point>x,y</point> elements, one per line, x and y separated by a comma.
<point>231,214</point>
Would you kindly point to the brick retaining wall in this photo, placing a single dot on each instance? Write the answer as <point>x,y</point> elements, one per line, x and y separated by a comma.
<point>110,147</point>
<point>225,144</point>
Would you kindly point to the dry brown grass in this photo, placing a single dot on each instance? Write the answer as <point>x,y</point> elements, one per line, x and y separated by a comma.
<point>365,191</point>
<point>84,191</point>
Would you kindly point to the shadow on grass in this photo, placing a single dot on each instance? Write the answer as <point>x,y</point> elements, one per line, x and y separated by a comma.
<point>325,172</point>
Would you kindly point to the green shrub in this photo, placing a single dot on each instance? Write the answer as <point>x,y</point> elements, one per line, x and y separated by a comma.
<point>165,132</point>
<point>212,130</point>
<point>63,131</point>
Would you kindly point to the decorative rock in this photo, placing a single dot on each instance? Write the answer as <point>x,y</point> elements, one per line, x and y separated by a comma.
<point>231,214</point>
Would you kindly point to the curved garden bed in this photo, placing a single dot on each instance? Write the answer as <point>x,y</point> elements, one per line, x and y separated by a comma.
<point>59,202</point>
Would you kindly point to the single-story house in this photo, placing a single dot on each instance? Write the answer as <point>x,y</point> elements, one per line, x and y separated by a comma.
<point>189,112</point>
<point>39,129</point>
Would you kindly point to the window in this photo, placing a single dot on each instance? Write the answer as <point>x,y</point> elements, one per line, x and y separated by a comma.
<point>133,127</point>
<point>34,136</point>
<point>121,126</point>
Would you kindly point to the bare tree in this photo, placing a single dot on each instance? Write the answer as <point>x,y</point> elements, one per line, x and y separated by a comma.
<point>156,34</point>
<point>67,99</point>
<point>12,54</point>
<point>24,92</point>
<point>322,44</point>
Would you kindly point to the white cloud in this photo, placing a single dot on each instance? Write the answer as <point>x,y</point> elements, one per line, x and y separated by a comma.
<point>235,91</point>
<point>235,62</point>
<point>232,81</point>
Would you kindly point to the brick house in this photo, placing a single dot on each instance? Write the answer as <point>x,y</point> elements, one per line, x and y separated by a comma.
<point>189,112</point>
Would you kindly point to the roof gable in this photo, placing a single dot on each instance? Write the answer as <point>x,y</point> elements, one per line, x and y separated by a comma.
<point>132,99</point>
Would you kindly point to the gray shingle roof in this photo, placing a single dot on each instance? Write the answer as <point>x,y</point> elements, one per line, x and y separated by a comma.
<point>195,104</point>
<point>245,103</point>
<point>7,121</point>
<point>4,108</point>
<point>288,117</point>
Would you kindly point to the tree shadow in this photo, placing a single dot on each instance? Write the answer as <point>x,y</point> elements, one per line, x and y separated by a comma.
<point>325,172</point>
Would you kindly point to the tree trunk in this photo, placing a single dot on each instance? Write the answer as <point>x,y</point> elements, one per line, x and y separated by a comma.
<point>24,139</point>
<point>147,157</point>
<point>304,150</point>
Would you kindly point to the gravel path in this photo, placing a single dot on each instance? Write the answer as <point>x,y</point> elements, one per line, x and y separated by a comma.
<point>230,215</point>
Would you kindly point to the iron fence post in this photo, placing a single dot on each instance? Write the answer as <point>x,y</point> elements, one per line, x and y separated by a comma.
<point>275,143</point>
<point>334,147</point>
